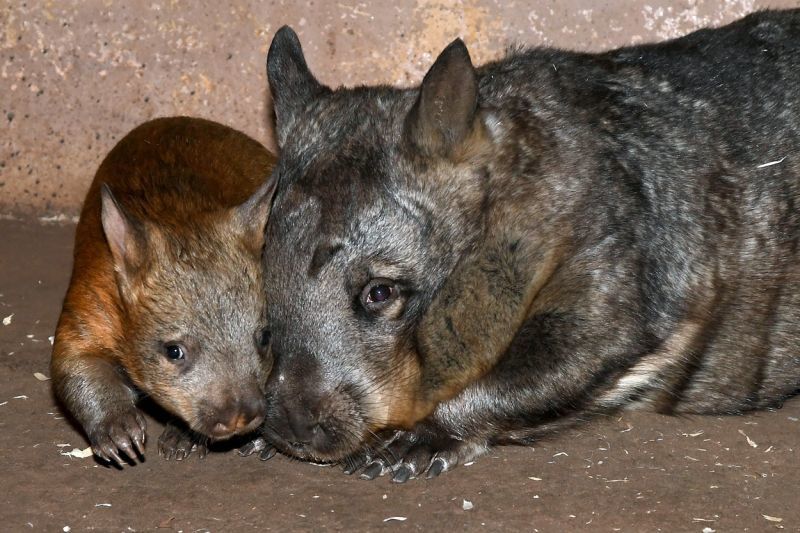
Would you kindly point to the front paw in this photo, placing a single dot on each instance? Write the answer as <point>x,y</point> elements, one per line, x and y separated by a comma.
<point>177,442</point>
<point>409,455</point>
<point>119,439</point>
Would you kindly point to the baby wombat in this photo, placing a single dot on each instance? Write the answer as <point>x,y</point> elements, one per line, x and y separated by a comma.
<point>166,296</point>
<point>508,250</point>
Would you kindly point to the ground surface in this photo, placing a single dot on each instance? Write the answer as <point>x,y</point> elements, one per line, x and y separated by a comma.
<point>636,472</point>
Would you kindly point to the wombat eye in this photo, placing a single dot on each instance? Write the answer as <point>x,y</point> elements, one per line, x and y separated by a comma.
<point>174,352</point>
<point>262,339</point>
<point>377,293</point>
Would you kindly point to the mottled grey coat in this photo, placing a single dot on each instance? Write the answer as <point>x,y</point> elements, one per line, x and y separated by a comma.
<point>505,251</point>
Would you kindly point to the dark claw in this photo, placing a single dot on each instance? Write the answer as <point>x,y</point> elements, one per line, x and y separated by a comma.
<point>437,467</point>
<point>354,463</point>
<point>372,471</point>
<point>112,452</point>
<point>100,454</point>
<point>124,446</point>
<point>138,443</point>
<point>402,474</point>
<point>267,453</point>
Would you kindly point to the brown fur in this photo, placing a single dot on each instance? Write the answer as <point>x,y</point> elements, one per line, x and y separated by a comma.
<point>182,186</point>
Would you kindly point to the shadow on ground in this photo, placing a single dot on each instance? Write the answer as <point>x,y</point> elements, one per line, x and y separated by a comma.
<point>634,472</point>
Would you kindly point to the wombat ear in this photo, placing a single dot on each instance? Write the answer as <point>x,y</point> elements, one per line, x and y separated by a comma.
<point>251,216</point>
<point>290,81</point>
<point>124,238</point>
<point>443,117</point>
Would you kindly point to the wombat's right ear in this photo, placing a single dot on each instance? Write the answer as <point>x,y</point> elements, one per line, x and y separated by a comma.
<point>124,238</point>
<point>443,119</point>
<point>291,83</point>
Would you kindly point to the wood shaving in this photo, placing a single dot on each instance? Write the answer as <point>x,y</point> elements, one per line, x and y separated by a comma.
<point>772,518</point>
<point>40,376</point>
<point>166,523</point>
<point>776,162</point>
<point>79,454</point>
<point>395,519</point>
<point>750,441</point>
<point>7,320</point>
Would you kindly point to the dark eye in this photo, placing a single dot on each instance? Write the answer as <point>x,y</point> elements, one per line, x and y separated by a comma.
<point>174,352</point>
<point>378,293</point>
<point>262,339</point>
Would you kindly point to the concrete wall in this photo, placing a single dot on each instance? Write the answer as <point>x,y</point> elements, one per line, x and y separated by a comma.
<point>75,75</point>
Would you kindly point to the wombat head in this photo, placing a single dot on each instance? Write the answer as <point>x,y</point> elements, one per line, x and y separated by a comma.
<point>380,193</point>
<point>194,326</point>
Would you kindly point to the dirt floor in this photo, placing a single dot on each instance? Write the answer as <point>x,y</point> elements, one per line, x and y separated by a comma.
<point>635,472</point>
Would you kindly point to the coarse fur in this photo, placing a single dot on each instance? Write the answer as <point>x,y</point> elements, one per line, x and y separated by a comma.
<point>509,250</point>
<point>167,263</point>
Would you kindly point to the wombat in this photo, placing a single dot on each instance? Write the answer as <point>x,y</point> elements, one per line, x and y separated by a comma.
<point>505,251</point>
<point>165,299</point>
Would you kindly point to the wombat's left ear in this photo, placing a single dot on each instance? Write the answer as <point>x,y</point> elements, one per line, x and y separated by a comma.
<point>443,118</point>
<point>290,81</point>
<point>250,217</point>
<point>125,236</point>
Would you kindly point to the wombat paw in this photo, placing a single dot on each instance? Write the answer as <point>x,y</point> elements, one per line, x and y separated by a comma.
<point>408,456</point>
<point>259,445</point>
<point>178,443</point>
<point>120,439</point>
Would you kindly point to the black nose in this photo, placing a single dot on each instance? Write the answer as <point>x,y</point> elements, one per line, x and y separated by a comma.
<point>302,425</point>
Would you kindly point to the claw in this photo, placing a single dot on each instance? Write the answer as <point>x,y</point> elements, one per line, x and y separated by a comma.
<point>354,463</point>
<point>116,457</point>
<point>436,468</point>
<point>372,471</point>
<point>267,453</point>
<point>403,474</point>
<point>138,444</point>
<point>100,454</point>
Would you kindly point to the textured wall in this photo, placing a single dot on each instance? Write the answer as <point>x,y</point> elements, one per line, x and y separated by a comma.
<point>75,75</point>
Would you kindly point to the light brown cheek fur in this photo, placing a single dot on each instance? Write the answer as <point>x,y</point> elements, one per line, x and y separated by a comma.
<point>399,402</point>
<point>171,398</point>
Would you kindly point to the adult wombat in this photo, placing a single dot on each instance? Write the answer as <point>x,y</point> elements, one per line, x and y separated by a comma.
<point>165,299</point>
<point>505,251</point>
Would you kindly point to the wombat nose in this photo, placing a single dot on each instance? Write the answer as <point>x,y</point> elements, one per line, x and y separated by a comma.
<point>239,417</point>
<point>303,427</point>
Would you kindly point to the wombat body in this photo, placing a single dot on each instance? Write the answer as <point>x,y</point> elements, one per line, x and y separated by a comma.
<point>165,299</point>
<point>508,250</point>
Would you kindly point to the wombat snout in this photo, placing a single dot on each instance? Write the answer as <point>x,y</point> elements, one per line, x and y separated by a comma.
<point>237,415</point>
